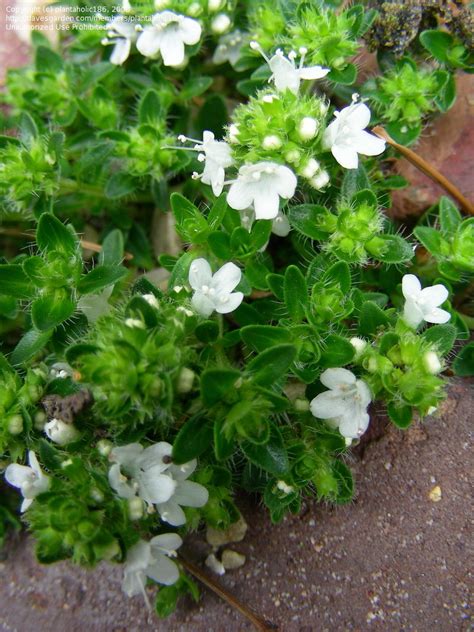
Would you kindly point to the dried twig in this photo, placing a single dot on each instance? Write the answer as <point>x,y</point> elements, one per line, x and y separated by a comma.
<point>260,624</point>
<point>428,169</point>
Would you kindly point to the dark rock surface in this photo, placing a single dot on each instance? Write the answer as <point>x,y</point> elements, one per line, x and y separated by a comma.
<point>394,559</point>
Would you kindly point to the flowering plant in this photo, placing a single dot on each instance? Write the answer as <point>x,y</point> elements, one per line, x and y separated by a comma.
<point>202,287</point>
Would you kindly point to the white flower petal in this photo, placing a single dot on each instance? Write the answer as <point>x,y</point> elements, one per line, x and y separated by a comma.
<point>356,116</point>
<point>240,195</point>
<point>285,182</point>
<point>171,513</point>
<point>166,542</point>
<point>330,134</point>
<point>133,583</point>
<point>368,144</point>
<point>164,571</point>
<point>121,51</point>
<point>232,301</point>
<point>334,378</point>
<point>328,405</point>
<point>200,274</point>
<point>363,391</point>
<point>153,456</point>
<point>346,156</point>
<point>181,472</point>
<point>138,557</point>
<point>127,455</point>
<point>149,42</point>
<point>171,48</point>
<point>281,225</point>
<point>266,204</point>
<point>155,487</point>
<point>353,426</point>
<point>116,482</point>
<point>411,286</point>
<point>437,316</point>
<point>313,72</point>
<point>25,504</point>
<point>190,31</point>
<point>191,494</point>
<point>202,304</point>
<point>16,474</point>
<point>227,278</point>
<point>412,313</point>
<point>433,296</point>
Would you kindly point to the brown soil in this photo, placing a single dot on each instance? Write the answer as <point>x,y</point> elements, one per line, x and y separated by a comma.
<point>392,560</point>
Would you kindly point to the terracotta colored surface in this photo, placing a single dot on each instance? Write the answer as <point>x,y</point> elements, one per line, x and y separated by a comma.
<point>392,560</point>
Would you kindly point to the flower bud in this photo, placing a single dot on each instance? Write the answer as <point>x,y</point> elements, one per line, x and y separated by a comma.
<point>220,24</point>
<point>96,495</point>
<point>359,345</point>
<point>432,363</point>
<point>271,142</point>
<point>61,432</point>
<point>319,181</point>
<point>308,128</point>
<point>15,425</point>
<point>40,420</point>
<point>151,300</point>
<point>185,380</point>
<point>293,156</point>
<point>214,5</point>
<point>310,169</point>
<point>135,508</point>
<point>301,405</point>
<point>283,487</point>
<point>194,9</point>
<point>104,447</point>
<point>233,133</point>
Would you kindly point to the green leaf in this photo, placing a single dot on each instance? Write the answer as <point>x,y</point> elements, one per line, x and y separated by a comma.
<point>345,481</point>
<point>51,310</point>
<point>166,601</point>
<point>338,274</point>
<point>464,364</point>
<point>217,384</point>
<point>346,76</point>
<point>449,217</point>
<point>46,60</point>
<point>217,212</point>
<point>195,87</point>
<point>52,234</point>
<point>337,352</point>
<point>295,293</point>
<point>271,365</point>
<point>437,43</point>
<point>446,93</point>
<point>28,129</point>
<point>150,109</point>
<point>180,272</point>
<point>119,185</point>
<point>219,244</point>
<point>14,281</point>
<point>213,115</point>
<point>207,332</point>
<point>310,220</point>
<point>404,134</point>
<point>100,278</point>
<point>431,239</point>
<point>354,180</point>
<point>371,319</point>
<point>31,344</point>
<point>261,337</point>
<point>272,456</point>
<point>442,337</point>
<point>194,437</point>
<point>276,283</point>
<point>223,441</point>
<point>112,249</point>
<point>401,415</point>
<point>390,249</point>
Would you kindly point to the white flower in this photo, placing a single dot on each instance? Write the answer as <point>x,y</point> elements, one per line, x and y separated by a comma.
<point>262,184</point>
<point>151,559</point>
<point>30,480</point>
<point>346,138</point>
<point>122,33</point>
<point>228,48</point>
<point>344,406</point>
<point>216,155</point>
<point>152,476</point>
<point>285,74</point>
<point>60,432</point>
<point>167,35</point>
<point>60,370</point>
<point>140,471</point>
<point>423,305</point>
<point>214,292</point>
<point>221,23</point>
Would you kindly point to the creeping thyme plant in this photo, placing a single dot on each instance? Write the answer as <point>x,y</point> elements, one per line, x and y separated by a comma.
<point>201,288</point>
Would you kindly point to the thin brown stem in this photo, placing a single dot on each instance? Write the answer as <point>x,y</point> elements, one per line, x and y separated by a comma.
<point>260,624</point>
<point>87,245</point>
<point>428,169</point>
